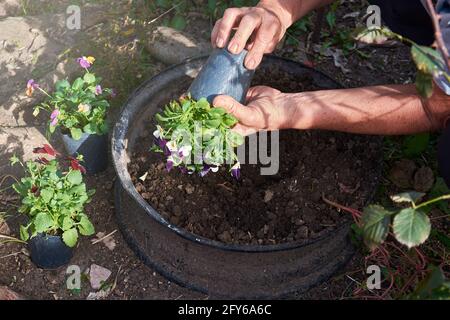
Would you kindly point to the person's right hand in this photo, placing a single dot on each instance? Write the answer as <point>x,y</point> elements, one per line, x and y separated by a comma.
<point>259,30</point>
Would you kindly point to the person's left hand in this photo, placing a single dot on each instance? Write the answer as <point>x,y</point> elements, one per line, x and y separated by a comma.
<point>267,109</point>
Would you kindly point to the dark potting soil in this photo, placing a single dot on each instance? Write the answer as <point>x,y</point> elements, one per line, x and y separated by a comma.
<point>266,209</point>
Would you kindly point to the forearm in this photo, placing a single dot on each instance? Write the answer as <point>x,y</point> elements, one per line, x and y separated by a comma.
<point>387,110</point>
<point>292,10</point>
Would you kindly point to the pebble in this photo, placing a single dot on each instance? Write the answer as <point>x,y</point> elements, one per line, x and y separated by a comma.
<point>225,236</point>
<point>189,189</point>
<point>302,233</point>
<point>268,195</point>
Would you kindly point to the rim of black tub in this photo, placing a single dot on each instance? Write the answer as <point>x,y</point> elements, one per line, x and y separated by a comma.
<point>119,157</point>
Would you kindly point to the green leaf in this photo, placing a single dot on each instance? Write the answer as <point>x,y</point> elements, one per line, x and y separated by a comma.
<point>428,60</point>
<point>424,84</point>
<point>67,223</point>
<point>415,145</point>
<point>213,123</point>
<point>434,280</point>
<point>178,22</point>
<point>70,237</point>
<point>62,85</point>
<point>14,159</point>
<point>89,78</point>
<point>36,111</point>
<point>229,121</point>
<point>85,227</point>
<point>440,188</point>
<point>47,194</point>
<point>78,84</point>
<point>76,133</point>
<point>411,227</point>
<point>43,222</point>
<point>376,220</point>
<point>74,177</point>
<point>410,196</point>
<point>235,139</point>
<point>24,233</point>
<point>90,128</point>
<point>217,112</point>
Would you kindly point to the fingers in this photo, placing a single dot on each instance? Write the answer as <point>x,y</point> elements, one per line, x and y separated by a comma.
<point>249,23</point>
<point>223,27</point>
<point>265,42</point>
<point>244,130</point>
<point>242,113</point>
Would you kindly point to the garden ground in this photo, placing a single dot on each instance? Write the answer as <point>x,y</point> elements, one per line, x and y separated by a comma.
<point>129,44</point>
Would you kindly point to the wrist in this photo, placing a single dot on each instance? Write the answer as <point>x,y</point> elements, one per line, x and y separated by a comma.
<point>302,112</point>
<point>284,12</point>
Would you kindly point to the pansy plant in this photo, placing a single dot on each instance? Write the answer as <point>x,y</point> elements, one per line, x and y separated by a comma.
<point>78,107</point>
<point>53,196</point>
<point>196,137</point>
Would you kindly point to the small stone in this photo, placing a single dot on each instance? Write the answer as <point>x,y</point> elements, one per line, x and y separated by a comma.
<point>302,233</point>
<point>189,189</point>
<point>268,195</point>
<point>161,166</point>
<point>225,236</point>
<point>299,222</point>
<point>98,275</point>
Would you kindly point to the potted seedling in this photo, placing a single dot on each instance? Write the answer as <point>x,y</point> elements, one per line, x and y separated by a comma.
<point>79,111</point>
<point>53,200</point>
<point>192,134</point>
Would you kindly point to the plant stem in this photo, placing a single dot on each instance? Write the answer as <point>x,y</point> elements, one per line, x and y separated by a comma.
<point>424,204</point>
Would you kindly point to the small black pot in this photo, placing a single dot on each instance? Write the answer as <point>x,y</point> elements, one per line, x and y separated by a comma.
<point>93,147</point>
<point>223,73</point>
<point>444,155</point>
<point>49,252</point>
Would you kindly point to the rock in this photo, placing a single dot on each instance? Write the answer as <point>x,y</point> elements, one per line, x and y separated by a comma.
<point>172,46</point>
<point>225,236</point>
<point>98,275</point>
<point>424,179</point>
<point>402,173</point>
<point>10,8</point>
<point>268,195</point>
<point>8,294</point>
<point>189,189</point>
<point>299,222</point>
<point>302,233</point>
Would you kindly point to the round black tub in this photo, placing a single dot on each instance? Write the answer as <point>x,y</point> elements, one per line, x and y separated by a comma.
<point>215,268</point>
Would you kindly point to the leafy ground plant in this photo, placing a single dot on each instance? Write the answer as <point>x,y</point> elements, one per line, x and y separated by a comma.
<point>197,137</point>
<point>78,107</point>
<point>53,199</point>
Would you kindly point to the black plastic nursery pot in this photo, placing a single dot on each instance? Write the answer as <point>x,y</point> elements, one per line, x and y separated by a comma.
<point>218,269</point>
<point>49,252</point>
<point>93,147</point>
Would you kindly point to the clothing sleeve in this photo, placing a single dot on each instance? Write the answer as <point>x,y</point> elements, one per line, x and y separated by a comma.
<point>443,9</point>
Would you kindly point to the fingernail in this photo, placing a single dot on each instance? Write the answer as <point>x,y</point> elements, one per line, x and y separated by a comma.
<point>219,42</point>
<point>233,48</point>
<point>251,64</point>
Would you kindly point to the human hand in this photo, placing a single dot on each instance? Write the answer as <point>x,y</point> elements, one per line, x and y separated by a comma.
<point>259,29</point>
<point>267,109</point>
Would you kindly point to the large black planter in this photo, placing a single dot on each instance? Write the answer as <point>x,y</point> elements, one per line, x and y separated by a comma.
<point>221,270</point>
<point>49,252</point>
<point>93,147</point>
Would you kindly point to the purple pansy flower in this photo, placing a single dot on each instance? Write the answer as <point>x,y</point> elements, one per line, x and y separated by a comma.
<point>113,93</point>
<point>31,86</point>
<point>206,168</point>
<point>54,117</point>
<point>236,171</point>
<point>169,165</point>
<point>85,62</point>
<point>98,90</point>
